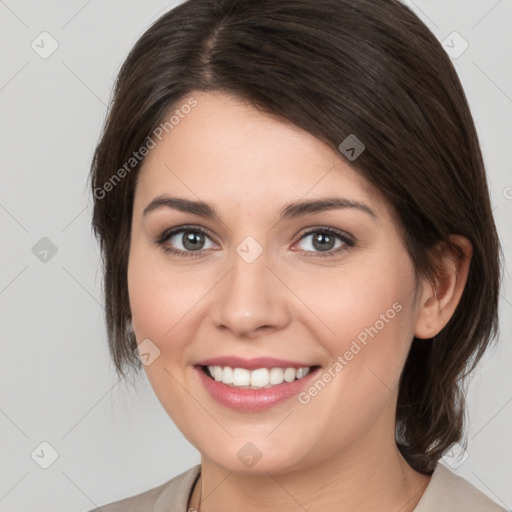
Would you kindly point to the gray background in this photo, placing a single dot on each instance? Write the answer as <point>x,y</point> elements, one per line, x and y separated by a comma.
<point>57,383</point>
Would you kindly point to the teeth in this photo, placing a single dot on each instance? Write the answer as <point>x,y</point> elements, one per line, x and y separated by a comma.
<point>260,378</point>
<point>302,372</point>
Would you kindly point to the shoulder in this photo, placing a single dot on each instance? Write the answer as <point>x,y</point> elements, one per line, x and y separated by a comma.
<point>174,493</point>
<point>447,491</point>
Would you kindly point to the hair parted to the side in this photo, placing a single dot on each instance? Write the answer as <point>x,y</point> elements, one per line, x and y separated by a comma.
<point>333,68</point>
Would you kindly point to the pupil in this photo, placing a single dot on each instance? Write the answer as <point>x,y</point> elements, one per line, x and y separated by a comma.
<point>318,241</point>
<point>192,240</point>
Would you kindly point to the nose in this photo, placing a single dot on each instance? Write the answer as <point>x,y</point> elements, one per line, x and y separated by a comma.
<point>250,300</point>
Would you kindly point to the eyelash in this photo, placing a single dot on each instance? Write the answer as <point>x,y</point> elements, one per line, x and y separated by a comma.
<point>166,235</point>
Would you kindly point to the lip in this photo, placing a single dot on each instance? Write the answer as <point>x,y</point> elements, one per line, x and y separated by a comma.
<point>253,400</point>
<point>252,364</point>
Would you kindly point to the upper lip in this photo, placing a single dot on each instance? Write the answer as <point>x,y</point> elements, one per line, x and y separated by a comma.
<point>252,364</point>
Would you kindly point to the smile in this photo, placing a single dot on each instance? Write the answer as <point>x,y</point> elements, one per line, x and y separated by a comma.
<point>257,389</point>
<point>255,379</point>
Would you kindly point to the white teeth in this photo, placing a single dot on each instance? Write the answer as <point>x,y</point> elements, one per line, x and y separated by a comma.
<point>276,376</point>
<point>260,378</point>
<point>302,372</point>
<point>241,376</point>
<point>227,375</point>
<point>217,373</point>
<point>289,374</point>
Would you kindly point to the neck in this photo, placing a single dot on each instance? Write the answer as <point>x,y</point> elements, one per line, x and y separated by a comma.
<point>372,481</point>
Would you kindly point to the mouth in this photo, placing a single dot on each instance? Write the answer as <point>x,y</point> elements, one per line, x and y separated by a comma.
<point>243,378</point>
<point>252,385</point>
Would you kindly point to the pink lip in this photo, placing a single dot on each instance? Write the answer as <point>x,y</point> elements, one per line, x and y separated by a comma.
<point>253,400</point>
<point>252,364</point>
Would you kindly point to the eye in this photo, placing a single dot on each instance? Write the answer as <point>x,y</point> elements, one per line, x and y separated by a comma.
<point>323,241</point>
<point>191,240</point>
<point>184,241</point>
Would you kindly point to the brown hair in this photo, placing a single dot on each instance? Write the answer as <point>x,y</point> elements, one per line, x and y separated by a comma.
<point>333,68</point>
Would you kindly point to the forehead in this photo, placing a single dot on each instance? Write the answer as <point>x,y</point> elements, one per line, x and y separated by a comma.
<point>224,149</point>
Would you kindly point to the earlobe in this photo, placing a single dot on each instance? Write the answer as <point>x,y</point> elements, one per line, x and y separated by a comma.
<point>441,295</point>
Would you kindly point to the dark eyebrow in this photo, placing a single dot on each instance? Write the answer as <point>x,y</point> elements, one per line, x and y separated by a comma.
<point>300,208</point>
<point>184,205</point>
<point>290,211</point>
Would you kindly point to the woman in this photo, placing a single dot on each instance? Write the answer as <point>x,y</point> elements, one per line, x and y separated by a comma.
<point>300,252</point>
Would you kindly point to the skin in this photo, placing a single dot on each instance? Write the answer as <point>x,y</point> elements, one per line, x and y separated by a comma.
<point>337,452</point>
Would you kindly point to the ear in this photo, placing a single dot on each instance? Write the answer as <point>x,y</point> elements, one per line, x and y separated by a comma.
<point>439,300</point>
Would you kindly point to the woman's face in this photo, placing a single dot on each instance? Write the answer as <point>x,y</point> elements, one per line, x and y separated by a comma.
<point>265,280</point>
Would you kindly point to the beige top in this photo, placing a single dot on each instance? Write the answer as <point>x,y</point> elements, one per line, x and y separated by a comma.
<point>446,492</point>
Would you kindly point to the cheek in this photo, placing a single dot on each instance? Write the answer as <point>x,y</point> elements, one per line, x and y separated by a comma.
<point>159,302</point>
<point>159,298</point>
<point>360,302</point>
<point>367,324</point>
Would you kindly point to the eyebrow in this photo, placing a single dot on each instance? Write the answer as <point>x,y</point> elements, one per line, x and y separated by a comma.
<point>290,211</point>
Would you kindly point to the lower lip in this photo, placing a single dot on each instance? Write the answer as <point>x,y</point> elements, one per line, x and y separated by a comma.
<point>252,400</point>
